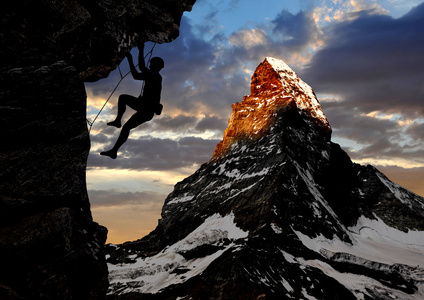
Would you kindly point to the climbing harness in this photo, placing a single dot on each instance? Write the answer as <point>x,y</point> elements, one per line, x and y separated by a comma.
<point>150,53</point>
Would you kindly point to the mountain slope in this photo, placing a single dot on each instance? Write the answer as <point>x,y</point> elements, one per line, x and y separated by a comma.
<point>279,212</point>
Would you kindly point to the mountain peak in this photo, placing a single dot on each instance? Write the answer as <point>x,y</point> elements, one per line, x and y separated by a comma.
<point>281,213</point>
<point>274,87</point>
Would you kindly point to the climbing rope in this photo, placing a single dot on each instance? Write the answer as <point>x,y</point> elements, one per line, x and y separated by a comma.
<point>91,123</point>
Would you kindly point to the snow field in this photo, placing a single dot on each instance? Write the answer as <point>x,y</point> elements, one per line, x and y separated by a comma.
<point>372,240</point>
<point>152,274</point>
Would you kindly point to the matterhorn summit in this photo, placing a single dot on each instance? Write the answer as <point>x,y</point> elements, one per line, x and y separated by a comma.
<point>279,212</point>
<point>274,87</point>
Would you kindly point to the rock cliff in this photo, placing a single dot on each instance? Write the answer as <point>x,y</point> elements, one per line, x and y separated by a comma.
<point>50,247</point>
<point>279,212</point>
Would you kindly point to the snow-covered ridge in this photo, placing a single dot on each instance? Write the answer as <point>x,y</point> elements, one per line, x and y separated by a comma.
<point>279,65</point>
<point>152,274</point>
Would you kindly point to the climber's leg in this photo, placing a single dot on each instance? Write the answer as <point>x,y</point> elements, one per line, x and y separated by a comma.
<point>123,101</point>
<point>137,119</point>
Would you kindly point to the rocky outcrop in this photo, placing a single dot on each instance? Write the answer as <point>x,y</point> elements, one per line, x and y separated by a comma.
<point>90,35</point>
<point>49,245</point>
<point>279,212</point>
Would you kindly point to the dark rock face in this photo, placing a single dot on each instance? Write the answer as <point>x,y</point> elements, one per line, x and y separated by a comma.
<point>49,245</point>
<point>280,212</point>
<point>91,35</point>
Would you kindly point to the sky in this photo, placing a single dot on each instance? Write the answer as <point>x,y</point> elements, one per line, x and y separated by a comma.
<point>363,58</point>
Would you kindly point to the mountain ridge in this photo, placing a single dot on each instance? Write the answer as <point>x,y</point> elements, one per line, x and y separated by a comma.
<point>310,223</point>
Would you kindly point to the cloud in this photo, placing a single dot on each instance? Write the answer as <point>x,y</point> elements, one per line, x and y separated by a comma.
<point>211,123</point>
<point>248,38</point>
<point>337,11</point>
<point>375,62</point>
<point>147,153</point>
<point>416,131</point>
<point>175,123</point>
<point>375,139</point>
<point>189,124</point>
<point>288,36</point>
<point>295,29</point>
<point>107,198</point>
<point>373,65</point>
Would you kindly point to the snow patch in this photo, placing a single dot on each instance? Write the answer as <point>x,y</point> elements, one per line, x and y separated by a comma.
<point>307,296</point>
<point>359,285</point>
<point>287,286</point>
<point>235,173</point>
<point>185,198</point>
<point>155,273</point>
<point>243,190</point>
<point>375,241</point>
<point>289,258</point>
<point>276,229</point>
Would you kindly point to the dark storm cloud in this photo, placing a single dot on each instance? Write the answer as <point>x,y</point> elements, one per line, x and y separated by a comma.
<point>416,131</point>
<point>211,123</point>
<point>374,62</point>
<point>158,154</point>
<point>377,138</point>
<point>178,123</point>
<point>294,29</point>
<point>190,124</point>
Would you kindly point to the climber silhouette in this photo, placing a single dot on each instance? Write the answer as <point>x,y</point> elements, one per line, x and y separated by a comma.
<point>146,105</point>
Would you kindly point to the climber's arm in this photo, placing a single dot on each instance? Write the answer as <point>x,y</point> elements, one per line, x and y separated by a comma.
<point>134,72</point>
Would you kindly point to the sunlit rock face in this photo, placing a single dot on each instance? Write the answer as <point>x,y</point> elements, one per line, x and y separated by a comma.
<point>274,87</point>
<point>279,212</point>
<point>49,245</point>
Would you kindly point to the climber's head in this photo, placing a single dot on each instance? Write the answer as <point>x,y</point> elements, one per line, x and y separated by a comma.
<point>157,63</point>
